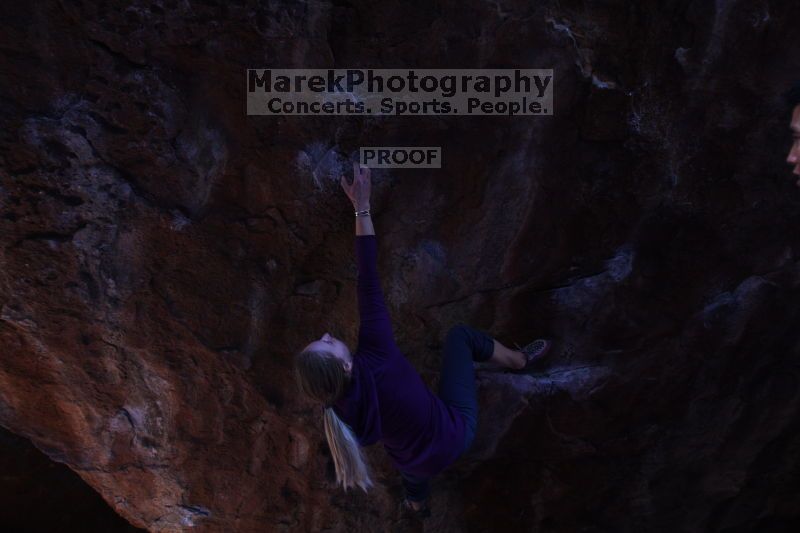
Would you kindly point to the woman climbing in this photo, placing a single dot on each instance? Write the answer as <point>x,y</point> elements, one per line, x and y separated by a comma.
<point>376,394</point>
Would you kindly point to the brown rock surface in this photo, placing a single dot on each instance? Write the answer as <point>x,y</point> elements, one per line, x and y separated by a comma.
<point>164,256</point>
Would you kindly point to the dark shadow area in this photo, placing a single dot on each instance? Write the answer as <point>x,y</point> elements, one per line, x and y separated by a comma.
<point>40,495</point>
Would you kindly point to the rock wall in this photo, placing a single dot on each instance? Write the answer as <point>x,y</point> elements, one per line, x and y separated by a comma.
<point>164,255</point>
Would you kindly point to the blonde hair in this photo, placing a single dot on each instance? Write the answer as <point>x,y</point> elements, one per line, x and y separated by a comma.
<point>321,376</point>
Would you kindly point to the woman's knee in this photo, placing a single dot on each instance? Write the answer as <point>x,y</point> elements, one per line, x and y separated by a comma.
<point>460,330</point>
<point>479,343</point>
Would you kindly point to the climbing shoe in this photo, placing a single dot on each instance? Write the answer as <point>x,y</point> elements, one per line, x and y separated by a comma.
<point>534,352</point>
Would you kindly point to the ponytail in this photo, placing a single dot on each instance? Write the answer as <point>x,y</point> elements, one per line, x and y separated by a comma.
<point>321,377</point>
<point>351,467</point>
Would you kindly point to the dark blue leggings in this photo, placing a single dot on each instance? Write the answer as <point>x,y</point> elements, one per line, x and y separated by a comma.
<point>462,346</point>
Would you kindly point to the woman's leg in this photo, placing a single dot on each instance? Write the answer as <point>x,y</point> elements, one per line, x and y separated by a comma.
<point>463,345</point>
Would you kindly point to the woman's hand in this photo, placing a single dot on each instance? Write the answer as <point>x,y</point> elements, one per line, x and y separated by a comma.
<point>359,190</point>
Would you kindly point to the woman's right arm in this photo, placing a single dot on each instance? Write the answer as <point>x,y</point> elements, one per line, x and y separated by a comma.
<point>359,193</point>
<point>375,332</point>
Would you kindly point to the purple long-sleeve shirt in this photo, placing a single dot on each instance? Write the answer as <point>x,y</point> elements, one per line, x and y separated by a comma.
<point>387,399</point>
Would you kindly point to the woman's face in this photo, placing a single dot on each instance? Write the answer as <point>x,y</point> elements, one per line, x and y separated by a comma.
<point>331,344</point>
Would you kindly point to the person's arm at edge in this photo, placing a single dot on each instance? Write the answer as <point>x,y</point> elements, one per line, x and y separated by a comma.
<point>376,326</point>
<point>359,194</point>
